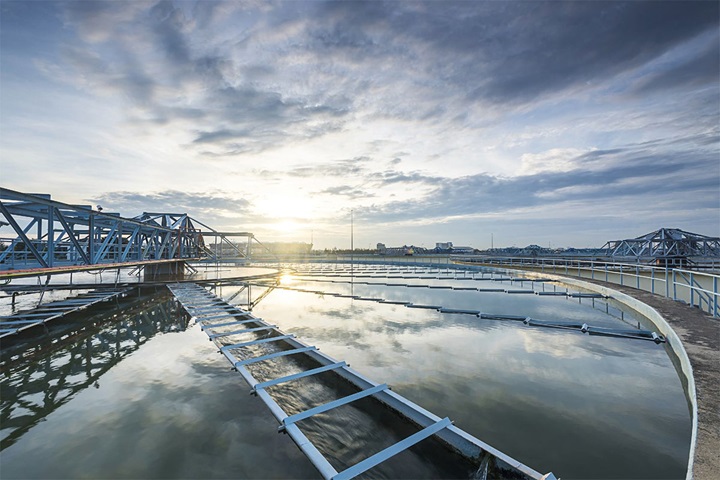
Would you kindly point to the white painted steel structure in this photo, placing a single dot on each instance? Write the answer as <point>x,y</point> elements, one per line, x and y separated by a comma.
<point>205,306</point>
<point>665,243</point>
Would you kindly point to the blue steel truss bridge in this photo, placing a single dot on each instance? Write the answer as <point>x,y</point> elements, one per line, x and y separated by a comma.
<point>41,236</point>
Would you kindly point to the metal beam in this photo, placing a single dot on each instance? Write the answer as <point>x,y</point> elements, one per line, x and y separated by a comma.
<point>22,235</point>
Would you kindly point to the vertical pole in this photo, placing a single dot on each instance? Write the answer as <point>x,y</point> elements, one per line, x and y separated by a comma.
<point>652,280</point>
<point>119,242</point>
<point>667,284</point>
<point>51,238</point>
<point>39,229</point>
<point>692,291</point>
<point>352,246</point>
<point>91,238</point>
<point>715,296</point>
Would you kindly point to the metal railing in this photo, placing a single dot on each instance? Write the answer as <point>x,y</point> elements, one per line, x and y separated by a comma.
<point>699,289</point>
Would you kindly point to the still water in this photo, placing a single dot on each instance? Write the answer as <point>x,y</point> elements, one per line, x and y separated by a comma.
<point>144,395</point>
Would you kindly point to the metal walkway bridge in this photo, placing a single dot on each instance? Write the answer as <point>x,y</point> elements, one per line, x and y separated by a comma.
<point>21,321</point>
<point>40,236</point>
<point>228,327</point>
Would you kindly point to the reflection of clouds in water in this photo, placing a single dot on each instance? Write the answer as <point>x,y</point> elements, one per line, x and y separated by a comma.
<point>168,408</point>
<point>570,345</point>
<point>510,384</point>
<point>512,352</point>
<point>542,308</point>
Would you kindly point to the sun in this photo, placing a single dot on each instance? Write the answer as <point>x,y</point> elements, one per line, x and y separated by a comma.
<point>287,226</point>
<point>287,204</point>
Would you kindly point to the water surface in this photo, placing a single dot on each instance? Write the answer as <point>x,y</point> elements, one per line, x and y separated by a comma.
<point>145,395</point>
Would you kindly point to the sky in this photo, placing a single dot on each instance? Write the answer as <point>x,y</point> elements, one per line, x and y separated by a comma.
<point>550,123</point>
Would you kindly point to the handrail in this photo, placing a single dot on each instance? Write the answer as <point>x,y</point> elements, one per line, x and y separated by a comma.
<point>699,289</point>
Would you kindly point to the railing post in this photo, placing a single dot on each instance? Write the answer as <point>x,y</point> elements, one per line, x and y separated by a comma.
<point>715,296</point>
<point>692,290</point>
<point>674,281</point>
<point>50,238</point>
<point>637,276</point>
<point>652,280</point>
<point>621,275</point>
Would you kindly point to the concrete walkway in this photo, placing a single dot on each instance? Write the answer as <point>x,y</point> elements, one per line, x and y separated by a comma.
<point>700,336</point>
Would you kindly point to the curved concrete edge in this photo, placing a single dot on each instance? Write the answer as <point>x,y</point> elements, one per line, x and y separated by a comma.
<point>673,341</point>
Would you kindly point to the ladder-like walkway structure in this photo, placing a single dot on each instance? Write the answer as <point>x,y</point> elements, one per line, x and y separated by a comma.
<point>19,322</point>
<point>221,320</point>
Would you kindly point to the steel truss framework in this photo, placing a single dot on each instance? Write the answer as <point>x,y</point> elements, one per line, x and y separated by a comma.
<point>47,234</point>
<point>665,243</point>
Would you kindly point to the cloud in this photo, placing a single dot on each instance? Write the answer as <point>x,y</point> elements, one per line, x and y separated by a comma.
<point>554,160</point>
<point>201,205</point>
<point>347,191</point>
<point>515,52</point>
<point>598,178</point>
<point>697,67</point>
<point>339,168</point>
<point>419,112</point>
<point>303,70</point>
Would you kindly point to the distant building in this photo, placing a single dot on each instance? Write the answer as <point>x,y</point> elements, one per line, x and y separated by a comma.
<point>449,248</point>
<point>441,248</point>
<point>401,251</point>
<point>462,250</point>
